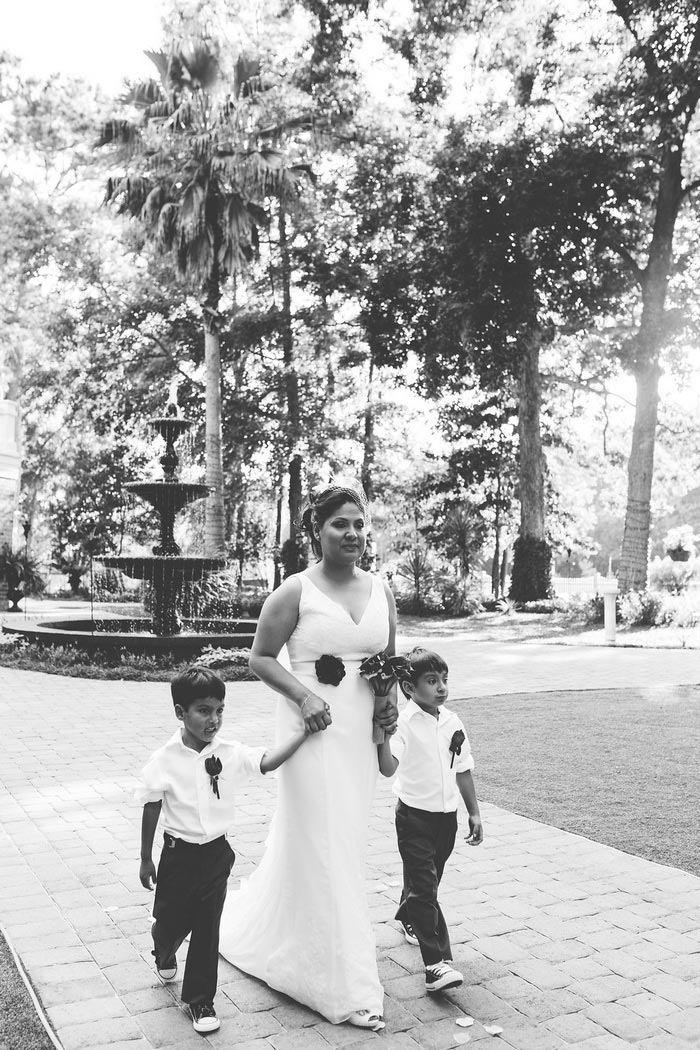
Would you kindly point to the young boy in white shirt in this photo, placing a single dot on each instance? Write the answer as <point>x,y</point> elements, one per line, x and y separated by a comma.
<point>191,783</point>
<point>431,752</point>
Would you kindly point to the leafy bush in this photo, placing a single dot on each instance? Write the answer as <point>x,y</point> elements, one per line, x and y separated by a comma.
<point>459,597</point>
<point>640,608</point>
<point>545,605</point>
<point>218,657</point>
<point>593,610</point>
<point>682,610</point>
<point>21,572</point>
<point>673,576</point>
<point>441,594</point>
<point>103,664</point>
<point>410,605</point>
<point>219,596</point>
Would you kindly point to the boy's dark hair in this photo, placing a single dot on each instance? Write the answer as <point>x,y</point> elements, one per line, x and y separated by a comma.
<point>195,683</point>
<point>421,661</point>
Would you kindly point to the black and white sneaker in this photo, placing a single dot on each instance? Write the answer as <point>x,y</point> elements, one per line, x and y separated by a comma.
<point>204,1017</point>
<point>168,970</point>
<point>165,968</point>
<point>440,976</point>
<point>409,933</point>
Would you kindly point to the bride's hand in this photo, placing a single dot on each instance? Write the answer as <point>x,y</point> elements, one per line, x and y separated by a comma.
<point>316,713</point>
<point>387,716</point>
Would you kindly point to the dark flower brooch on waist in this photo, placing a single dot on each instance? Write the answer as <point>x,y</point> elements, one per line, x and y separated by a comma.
<point>213,766</point>
<point>381,671</point>
<point>330,670</point>
<point>456,742</point>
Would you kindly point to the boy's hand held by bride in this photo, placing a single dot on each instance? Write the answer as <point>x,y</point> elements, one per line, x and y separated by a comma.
<point>316,713</point>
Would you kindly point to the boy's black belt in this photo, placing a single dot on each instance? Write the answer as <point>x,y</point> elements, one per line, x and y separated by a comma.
<point>171,842</point>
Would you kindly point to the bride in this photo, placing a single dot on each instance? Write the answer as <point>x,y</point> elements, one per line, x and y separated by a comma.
<point>301,922</point>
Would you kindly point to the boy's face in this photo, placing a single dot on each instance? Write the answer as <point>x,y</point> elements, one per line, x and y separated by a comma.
<point>429,690</point>
<point>201,721</point>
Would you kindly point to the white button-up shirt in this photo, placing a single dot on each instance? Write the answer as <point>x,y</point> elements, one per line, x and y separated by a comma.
<point>425,779</point>
<point>175,775</point>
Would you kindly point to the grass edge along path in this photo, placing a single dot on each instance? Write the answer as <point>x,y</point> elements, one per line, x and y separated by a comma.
<point>617,766</point>
<point>23,1024</point>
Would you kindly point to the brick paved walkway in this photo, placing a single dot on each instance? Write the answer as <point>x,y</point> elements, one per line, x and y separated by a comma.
<point>563,942</point>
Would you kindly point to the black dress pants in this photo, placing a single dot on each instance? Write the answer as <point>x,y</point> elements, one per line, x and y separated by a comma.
<point>425,840</point>
<point>190,893</point>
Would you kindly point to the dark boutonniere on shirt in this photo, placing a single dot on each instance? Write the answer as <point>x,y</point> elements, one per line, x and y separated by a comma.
<point>213,766</point>
<point>330,670</point>
<point>456,742</point>
<point>381,671</point>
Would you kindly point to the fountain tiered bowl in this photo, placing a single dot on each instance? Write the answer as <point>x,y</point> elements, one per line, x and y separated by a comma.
<point>166,570</point>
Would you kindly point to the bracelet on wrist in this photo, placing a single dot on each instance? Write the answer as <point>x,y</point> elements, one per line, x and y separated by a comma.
<point>303,703</point>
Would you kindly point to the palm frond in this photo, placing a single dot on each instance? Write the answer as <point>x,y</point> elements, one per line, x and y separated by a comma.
<point>193,204</point>
<point>162,63</point>
<point>129,193</point>
<point>196,255</point>
<point>247,79</point>
<point>152,205</point>
<point>167,228</point>
<point>163,107</point>
<point>142,94</point>
<point>117,132</point>
<point>199,64</point>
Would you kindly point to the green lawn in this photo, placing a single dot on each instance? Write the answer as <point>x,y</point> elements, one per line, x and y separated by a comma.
<point>618,766</point>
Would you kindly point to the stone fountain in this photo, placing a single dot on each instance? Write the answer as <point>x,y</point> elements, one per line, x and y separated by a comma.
<point>166,569</point>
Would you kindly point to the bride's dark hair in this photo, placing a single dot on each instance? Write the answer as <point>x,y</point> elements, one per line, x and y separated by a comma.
<point>323,506</point>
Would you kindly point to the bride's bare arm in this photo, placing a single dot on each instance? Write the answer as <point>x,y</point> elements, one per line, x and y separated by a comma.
<point>278,618</point>
<point>386,713</point>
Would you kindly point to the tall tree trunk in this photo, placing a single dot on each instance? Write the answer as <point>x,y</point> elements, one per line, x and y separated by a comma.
<point>531,579</point>
<point>235,488</point>
<point>531,467</point>
<point>640,469</point>
<point>650,340</point>
<point>214,521</point>
<point>291,383</point>
<point>278,539</point>
<point>369,444</point>
<point>295,496</point>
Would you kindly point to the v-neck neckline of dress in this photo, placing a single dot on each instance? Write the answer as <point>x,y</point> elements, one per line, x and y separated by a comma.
<point>357,623</point>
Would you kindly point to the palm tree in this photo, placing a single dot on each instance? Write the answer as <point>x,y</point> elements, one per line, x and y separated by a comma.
<point>198,169</point>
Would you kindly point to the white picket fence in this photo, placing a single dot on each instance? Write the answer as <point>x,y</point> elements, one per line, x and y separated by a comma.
<point>570,585</point>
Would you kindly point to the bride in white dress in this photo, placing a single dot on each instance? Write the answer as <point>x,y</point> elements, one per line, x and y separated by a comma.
<point>301,921</point>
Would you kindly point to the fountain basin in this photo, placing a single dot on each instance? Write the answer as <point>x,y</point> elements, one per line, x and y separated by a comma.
<point>133,634</point>
<point>164,567</point>
<point>166,573</point>
<point>168,496</point>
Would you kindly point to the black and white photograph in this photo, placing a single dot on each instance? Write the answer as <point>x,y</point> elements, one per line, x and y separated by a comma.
<point>350,525</point>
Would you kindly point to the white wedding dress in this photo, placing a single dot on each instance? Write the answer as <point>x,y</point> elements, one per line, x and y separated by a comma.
<point>301,921</point>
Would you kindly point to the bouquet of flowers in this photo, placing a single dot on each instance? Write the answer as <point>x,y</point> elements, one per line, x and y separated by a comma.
<point>383,672</point>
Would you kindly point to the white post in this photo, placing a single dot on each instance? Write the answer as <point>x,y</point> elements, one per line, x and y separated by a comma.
<point>609,589</point>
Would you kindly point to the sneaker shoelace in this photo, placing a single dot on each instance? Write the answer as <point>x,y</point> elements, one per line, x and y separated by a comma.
<point>205,1010</point>
<point>440,969</point>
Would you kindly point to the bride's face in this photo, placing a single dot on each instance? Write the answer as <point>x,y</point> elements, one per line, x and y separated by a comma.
<point>343,535</point>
